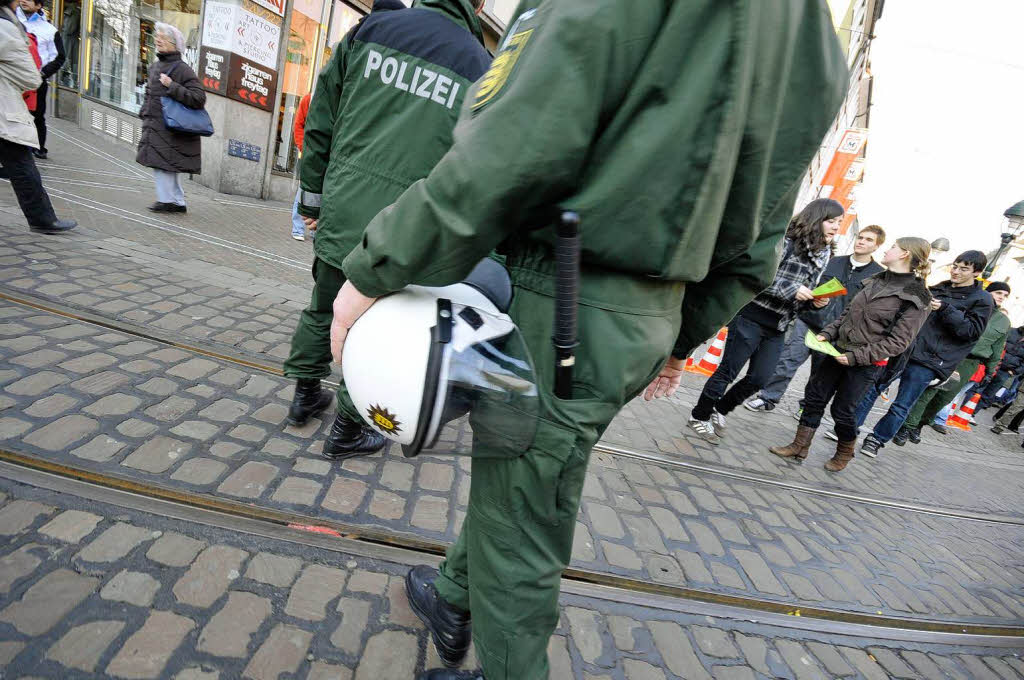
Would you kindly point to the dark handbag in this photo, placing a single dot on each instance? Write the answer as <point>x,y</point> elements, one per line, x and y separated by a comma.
<point>180,118</point>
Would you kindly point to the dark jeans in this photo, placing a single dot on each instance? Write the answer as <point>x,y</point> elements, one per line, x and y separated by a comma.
<point>845,387</point>
<point>793,356</point>
<point>748,340</point>
<point>40,114</point>
<point>20,168</point>
<point>913,382</point>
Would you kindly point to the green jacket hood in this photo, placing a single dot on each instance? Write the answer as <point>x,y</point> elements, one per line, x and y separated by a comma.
<point>459,11</point>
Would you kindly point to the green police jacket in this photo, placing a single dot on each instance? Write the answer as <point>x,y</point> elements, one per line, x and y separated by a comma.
<point>989,348</point>
<point>382,114</point>
<point>680,132</point>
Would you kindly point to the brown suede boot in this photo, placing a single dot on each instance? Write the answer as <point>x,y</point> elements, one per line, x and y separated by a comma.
<point>800,446</point>
<point>844,454</point>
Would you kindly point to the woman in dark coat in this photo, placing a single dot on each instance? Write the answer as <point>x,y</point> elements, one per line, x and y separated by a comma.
<point>167,152</point>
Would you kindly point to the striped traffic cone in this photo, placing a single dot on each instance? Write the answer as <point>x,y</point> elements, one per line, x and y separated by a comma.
<point>712,358</point>
<point>960,419</point>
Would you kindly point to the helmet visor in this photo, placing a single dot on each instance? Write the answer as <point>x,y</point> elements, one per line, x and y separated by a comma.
<point>483,370</point>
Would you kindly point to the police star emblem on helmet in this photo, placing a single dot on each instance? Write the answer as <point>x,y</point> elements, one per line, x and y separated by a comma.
<point>384,420</point>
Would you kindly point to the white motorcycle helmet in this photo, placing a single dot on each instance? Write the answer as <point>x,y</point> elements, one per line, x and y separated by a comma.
<point>422,357</point>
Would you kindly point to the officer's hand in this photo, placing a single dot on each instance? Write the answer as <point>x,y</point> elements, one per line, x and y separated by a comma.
<point>804,294</point>
<point>310,223</point>
<point>667,381</point>
<point>823,302</point>
<point>348,306</point>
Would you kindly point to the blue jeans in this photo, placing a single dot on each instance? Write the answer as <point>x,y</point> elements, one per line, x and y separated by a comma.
<point>298,226</point>
<point>913,382</point>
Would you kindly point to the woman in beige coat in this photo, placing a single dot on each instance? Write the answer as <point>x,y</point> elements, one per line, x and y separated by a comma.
<point>18,136</point>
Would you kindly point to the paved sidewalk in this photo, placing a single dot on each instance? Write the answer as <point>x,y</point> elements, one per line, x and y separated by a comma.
<point>75,393</point>
<point>88,590</point>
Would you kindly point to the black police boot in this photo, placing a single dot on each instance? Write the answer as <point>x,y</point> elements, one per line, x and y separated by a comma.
<point>901,437</point>
<point>915,435</point>
<point>449,674</point>
<point>310,400</point>
<point>448,625</point>
<point>349,438</point>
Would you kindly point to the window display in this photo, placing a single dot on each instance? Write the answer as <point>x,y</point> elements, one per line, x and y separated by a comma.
<point>121,45</point>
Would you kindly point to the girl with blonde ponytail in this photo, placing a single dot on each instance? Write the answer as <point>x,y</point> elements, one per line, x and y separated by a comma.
<point>880,322</point>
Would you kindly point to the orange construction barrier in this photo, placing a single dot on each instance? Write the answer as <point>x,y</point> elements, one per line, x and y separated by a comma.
<point>712,358</point>
<point>960,419</point>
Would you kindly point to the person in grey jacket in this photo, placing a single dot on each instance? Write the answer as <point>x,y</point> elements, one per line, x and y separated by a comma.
<point>18,136</point>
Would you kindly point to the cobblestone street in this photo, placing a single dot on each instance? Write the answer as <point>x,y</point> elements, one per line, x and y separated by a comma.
<point>99,373</point>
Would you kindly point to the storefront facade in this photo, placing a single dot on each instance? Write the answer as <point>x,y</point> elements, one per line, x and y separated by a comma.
<point>256,59</point>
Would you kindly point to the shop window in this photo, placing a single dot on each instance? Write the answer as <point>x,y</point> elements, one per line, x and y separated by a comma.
<point>121,45</point>
<point>308,50</point>
<point>71,35</point>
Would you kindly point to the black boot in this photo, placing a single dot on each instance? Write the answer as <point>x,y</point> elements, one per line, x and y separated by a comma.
<point>449,674</point>
<point>309,400</point>
<point>449,626</point>
<point>349,438</point>
<point>901,436</point>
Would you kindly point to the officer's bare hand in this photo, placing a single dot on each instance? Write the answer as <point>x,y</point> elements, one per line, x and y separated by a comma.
<point>310,223</point>
<point>804,294</point>
<point>936,304</point>
<point>165,80</point>
<point>667,382</point>
<point>823,302</point>
<point>348,306</point>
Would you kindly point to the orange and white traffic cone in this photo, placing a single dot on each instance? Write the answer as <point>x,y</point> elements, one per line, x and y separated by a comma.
<point>961,419</point>
<point>712,358</point>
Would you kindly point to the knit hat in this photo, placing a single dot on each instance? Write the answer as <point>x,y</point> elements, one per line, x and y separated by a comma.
<point>998,285</point>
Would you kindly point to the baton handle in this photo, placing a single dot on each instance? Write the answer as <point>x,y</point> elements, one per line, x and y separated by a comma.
<point>567,285</point>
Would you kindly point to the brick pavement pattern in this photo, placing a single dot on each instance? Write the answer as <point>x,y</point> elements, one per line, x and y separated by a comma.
<point>226,437</point>
<point>69,610</point>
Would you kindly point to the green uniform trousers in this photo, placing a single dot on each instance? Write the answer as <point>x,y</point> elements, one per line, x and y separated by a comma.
<point>506,565</point>
<point>311,345</point>
<point>934,399</point>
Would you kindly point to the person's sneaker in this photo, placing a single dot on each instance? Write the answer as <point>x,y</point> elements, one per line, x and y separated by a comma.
<point>718,422</point>
<point>299,237</point>
<point>449,626</point>
<point>870,446</point>
<point>41,154</point>
<point>449,674</point>
<point>349,438</point>
<point>941,429</point>
<point>705,430</point>
<point>915,435</point>
<point>998,429</point>
<point>758,404</point>
<point>56,227</point>
<point>831,435</point>
<point>175,208</point>
<point>160,207</point>
<point>901,436</point>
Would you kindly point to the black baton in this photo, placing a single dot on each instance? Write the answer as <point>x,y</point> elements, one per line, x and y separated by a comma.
<point>567,284</point>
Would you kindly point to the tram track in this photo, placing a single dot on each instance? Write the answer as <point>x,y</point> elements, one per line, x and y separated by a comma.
<point>212,351</point>
<point>408,549</point>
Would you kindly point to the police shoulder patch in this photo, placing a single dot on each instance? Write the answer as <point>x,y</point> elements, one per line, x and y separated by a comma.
<point>501,68</point>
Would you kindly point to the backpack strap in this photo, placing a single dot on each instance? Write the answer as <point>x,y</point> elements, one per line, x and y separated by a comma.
<point>905,306</point>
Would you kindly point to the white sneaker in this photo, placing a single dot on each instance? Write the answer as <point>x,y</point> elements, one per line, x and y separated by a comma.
<point>298,237</point>
<point>718,422</point>
<point>758,404</point>
<point>705,429</point>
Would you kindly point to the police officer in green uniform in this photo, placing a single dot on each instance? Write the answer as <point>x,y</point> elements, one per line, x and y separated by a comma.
<point>679,131</point>
<point>380,118</point>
